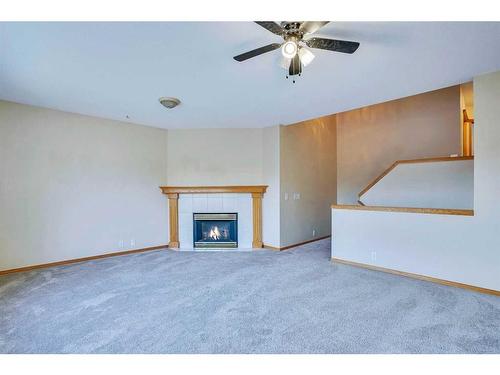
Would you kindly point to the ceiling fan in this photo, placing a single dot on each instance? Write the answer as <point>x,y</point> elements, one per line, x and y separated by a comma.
<point>295,55</point>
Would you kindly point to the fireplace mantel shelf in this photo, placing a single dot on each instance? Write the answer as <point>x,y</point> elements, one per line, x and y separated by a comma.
<point>213,189</point>
<point>173,196</point>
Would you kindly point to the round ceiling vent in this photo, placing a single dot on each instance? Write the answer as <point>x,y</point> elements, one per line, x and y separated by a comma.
<point>169,102</point>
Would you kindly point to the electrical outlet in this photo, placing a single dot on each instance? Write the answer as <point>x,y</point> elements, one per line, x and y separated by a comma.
<point>374,255</point>
<point>296,196</point>
<point>132,242</point>
<point>314,232</point>
<point>121,244</point>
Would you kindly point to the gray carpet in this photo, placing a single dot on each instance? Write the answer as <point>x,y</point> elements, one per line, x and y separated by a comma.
<point>243,302</point>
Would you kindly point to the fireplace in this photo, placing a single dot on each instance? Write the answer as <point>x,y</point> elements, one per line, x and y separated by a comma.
<point>216,230</point>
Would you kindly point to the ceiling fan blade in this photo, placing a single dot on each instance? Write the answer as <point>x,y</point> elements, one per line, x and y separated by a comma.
<point>332,45</point>
<point>309,27</point>
<point>257,52</point>
<point>271,26</point>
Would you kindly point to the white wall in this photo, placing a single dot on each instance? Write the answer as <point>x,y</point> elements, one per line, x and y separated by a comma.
<point>440,184</point>
<point>431,245</point>
<point>215,157</point>
<point>271,177</point>
<point>230,157</point>
<point>74,186</point>
<point>457,248</point>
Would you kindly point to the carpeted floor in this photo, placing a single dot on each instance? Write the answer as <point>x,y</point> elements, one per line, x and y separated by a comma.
<point>243,302</point>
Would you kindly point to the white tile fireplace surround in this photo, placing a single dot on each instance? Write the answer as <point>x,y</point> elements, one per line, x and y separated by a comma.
<point>215,203</point>
<point>246,201</point>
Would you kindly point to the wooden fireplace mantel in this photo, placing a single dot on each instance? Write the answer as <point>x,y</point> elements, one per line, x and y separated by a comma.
<point>173,207</point>
<point>213,189</point>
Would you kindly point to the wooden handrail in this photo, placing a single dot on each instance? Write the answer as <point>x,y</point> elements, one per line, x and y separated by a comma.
<point>412,161</point>
<point>417,210</point>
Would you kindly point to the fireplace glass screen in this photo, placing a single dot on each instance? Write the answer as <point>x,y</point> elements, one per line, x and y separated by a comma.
<point>218,230</point>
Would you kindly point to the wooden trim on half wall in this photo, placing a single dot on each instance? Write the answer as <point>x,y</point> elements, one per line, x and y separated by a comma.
<point>78,260</point>
<point>295,244</point>
<point>417,276</point>
<point>415,210</point>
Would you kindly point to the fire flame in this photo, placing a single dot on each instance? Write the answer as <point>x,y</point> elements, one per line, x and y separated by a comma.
<point>214,233</point>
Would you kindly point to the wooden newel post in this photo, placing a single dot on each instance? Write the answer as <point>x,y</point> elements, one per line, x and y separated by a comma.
<point>173,219</point>
<point>257,220</point>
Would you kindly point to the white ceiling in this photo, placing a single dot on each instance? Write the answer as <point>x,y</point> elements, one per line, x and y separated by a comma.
<point>112,70</point>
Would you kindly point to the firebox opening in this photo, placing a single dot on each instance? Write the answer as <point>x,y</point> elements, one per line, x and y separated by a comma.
<point>215,230</point>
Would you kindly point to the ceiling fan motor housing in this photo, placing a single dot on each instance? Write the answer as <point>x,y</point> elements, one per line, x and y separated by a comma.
<point>292,29</point>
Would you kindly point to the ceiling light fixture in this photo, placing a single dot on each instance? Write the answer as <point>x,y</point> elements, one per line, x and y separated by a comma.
<point>306,56</point>
<point>295,34</point>
<point>285,63</point>
<point>289,49</point>
<point>169,102</point>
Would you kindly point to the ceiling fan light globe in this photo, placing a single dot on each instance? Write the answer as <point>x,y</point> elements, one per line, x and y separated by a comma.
<point>306,56</point>
<point>289,49</point>
<point>284,62</point>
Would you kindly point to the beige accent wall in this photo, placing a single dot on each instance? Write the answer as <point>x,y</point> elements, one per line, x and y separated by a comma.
<point>271,177</point>
<point>215,157</point>
<point>370,139</point>
<point>74,186</point>
<point>308,167</point>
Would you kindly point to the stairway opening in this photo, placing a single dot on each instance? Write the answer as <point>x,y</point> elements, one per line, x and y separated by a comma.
<point>467,118</point>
